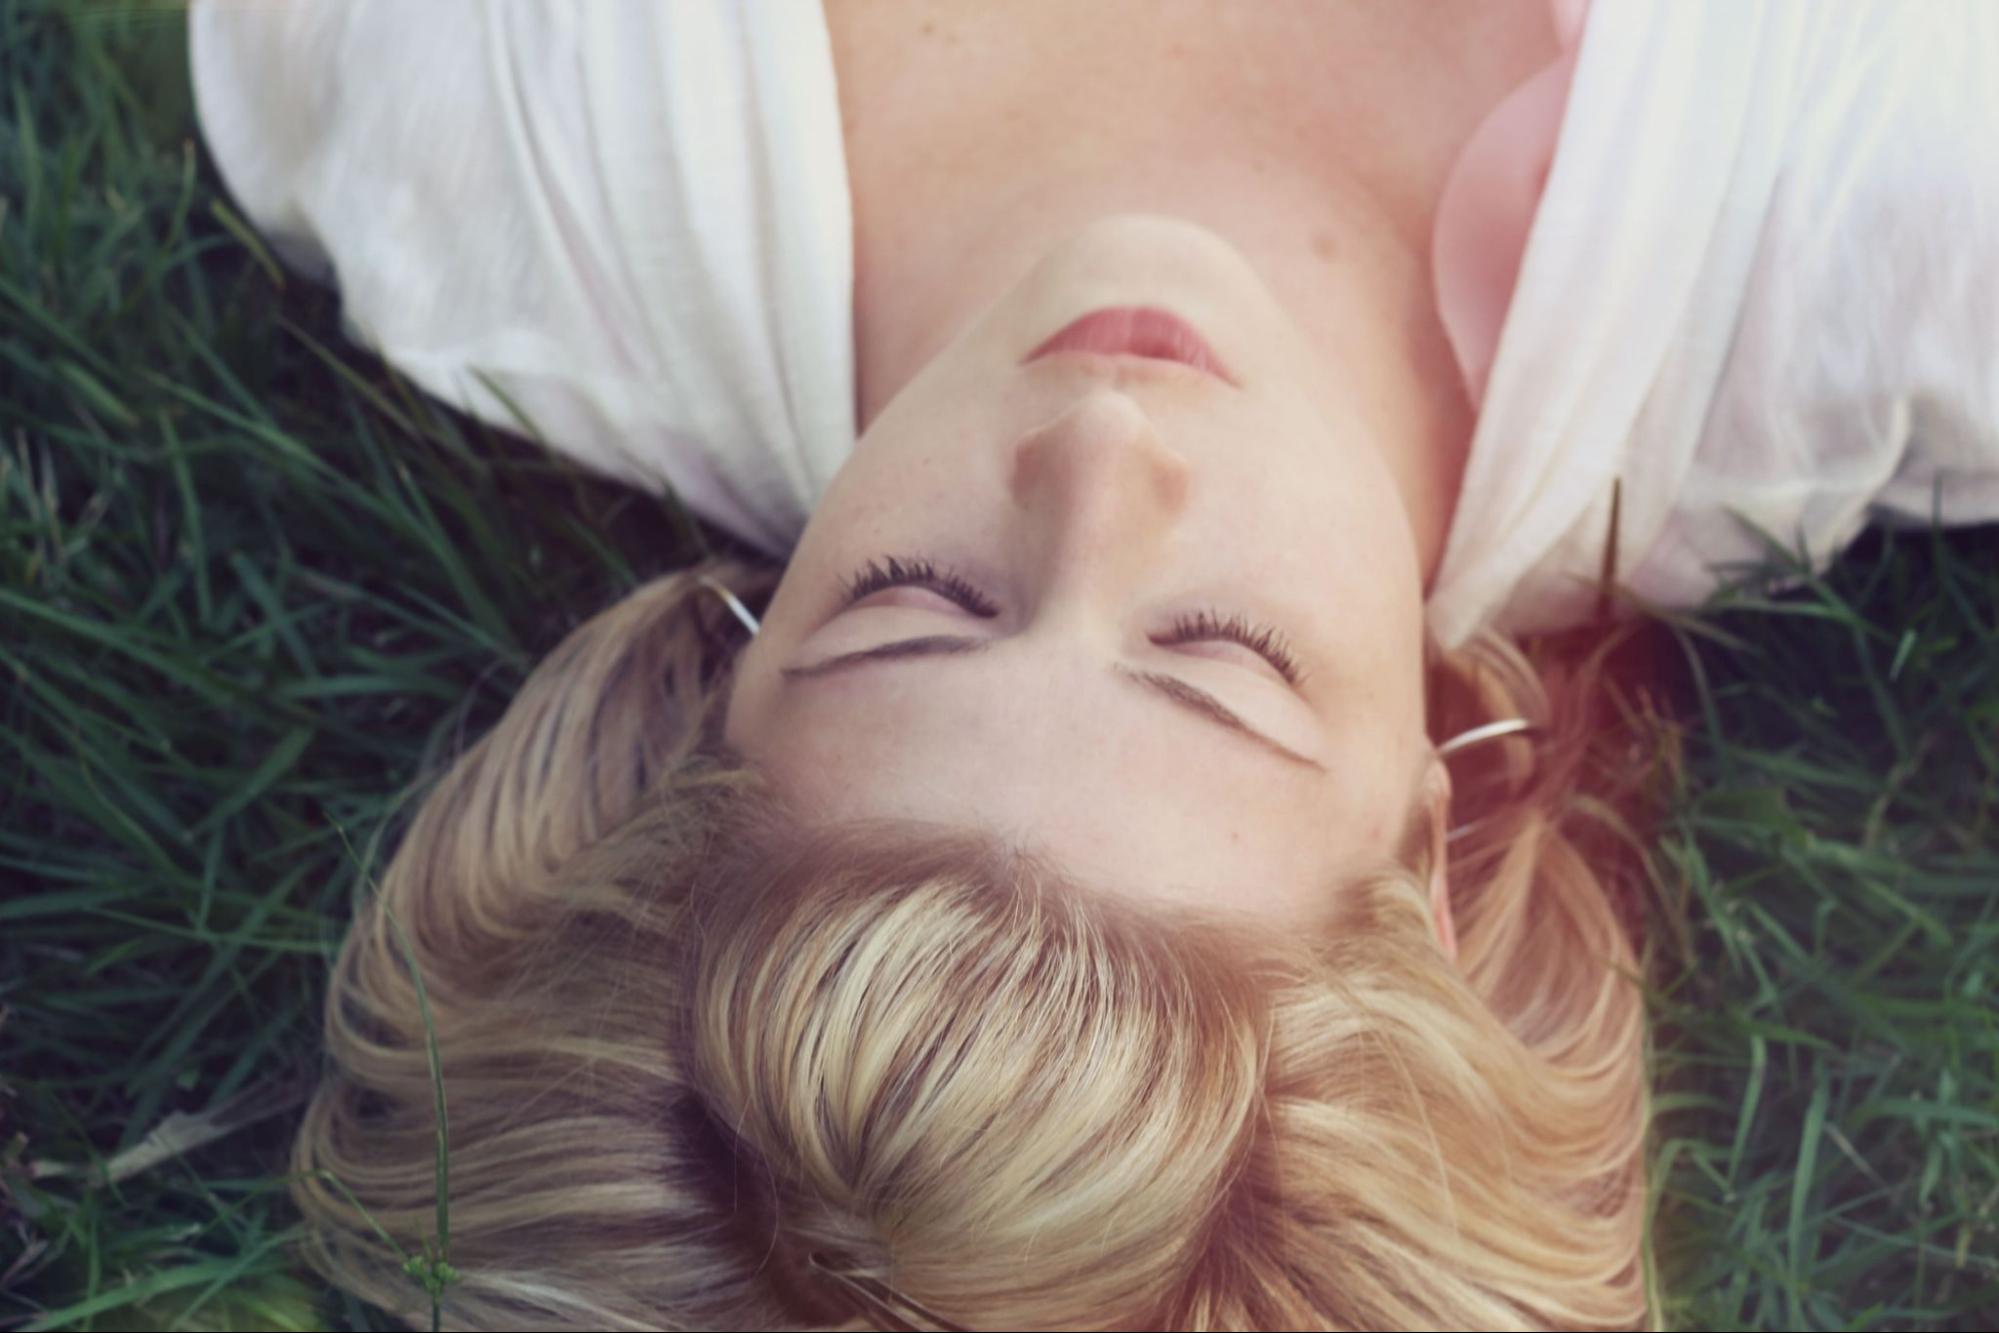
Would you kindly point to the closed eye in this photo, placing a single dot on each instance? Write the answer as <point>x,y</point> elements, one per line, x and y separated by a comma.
<point>1205,626</point>
<point>1267,643</point>
<point>897,572</point>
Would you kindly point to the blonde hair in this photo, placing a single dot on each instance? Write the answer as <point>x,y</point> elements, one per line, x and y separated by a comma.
<point>708,1067</point>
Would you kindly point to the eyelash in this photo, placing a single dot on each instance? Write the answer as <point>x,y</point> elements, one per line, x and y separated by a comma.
<point>891,572</point>
<point>1267,643</point>
<point>894,572</point>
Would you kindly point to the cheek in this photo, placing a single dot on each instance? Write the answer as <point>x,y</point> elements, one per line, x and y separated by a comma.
<point>887,503</point>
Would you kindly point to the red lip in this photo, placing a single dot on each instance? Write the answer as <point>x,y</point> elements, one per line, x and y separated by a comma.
<point>1137,331</point>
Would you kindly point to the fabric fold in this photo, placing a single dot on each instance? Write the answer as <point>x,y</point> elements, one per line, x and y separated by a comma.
<point>628,220</point>
<point>1737,265</point>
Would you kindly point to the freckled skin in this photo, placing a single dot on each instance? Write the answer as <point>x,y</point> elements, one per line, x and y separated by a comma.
<point>1095,501</point>
<point>1268,172</point>
<point>978,137</point>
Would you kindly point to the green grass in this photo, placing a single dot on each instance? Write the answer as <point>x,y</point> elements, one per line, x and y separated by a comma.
<point>252,588</point>
<point>1829,1041</point>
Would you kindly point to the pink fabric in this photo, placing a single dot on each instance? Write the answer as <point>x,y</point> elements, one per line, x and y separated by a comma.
<point>1489,202</point>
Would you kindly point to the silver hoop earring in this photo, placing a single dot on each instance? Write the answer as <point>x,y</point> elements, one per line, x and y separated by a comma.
<point>1491,731</point>
<point>735,603</point>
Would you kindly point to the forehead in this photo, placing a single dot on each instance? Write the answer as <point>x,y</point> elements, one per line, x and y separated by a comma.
<point>1121,790</point>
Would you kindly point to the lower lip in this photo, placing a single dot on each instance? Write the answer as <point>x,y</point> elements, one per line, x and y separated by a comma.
<point>1136,331</point>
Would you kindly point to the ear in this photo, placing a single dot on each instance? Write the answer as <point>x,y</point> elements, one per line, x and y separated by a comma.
<point>1437,800</point>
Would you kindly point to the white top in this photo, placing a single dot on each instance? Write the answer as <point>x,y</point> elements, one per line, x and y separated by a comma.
<point>629,218</point>
<point>1763,276</point>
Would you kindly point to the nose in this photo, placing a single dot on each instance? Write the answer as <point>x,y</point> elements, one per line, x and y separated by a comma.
<point>1097,487</point>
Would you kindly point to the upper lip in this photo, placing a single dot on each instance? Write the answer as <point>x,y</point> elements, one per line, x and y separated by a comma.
<point>1144,331</point>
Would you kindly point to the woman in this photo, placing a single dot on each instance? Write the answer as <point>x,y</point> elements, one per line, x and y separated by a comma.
<point>1051,912</point>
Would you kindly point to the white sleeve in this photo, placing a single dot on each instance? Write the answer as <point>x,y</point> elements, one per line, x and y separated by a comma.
<point>1926,258</point>
<point>569,210</point>
<point>1760,300</point>
<point>1862,378</point>
<point>264,78</point>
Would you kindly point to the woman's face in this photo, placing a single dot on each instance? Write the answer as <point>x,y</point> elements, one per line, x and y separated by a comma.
<point>1163,629</point>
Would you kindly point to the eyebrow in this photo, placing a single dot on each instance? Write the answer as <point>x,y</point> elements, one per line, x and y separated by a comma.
<point>1189,697</point>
